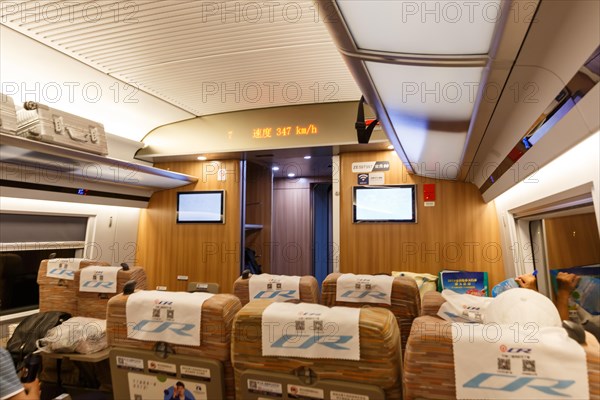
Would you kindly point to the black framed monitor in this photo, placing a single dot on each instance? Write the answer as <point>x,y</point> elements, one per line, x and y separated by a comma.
<point>204,207</point>
<point>385,203</point>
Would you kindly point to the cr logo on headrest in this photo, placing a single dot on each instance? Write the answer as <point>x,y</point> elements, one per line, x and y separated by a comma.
<point>515,383</point>
<point>159,327</point>
<point>306,341</point>
<point>96,284</point>
<point>61,271</point>
<point>361,294</point>
<point>271,294</point>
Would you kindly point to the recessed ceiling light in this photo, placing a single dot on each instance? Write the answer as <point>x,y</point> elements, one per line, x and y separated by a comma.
<point>275,168</point>
<point>291,175</point>
<point>202,158</point>
<point>307,157</point>
<point>391,147</point>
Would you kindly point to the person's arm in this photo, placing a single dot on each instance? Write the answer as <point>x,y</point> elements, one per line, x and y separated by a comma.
<point>31,392</point>
<point>11,387</point>
<point>566,284</point>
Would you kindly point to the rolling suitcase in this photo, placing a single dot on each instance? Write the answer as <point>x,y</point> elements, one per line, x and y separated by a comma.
<point>309,289</point>
<point>58,294</point>
<point>8,115</point>
<point>93,305</point>
<point>405,299</point>
<point>376,375</point>
<point>217,317</point>
<point>40,122</point>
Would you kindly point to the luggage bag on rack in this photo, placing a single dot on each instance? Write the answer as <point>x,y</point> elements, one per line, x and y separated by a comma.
<point>8,115</point>
<point>46,124</point>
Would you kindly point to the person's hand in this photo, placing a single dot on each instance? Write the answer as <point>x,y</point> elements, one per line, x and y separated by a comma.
<point>527,281</point>
<point>567,282</point>
<point>31,392</point>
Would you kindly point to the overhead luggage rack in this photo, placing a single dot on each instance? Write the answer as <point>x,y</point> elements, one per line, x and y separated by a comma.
<point>32,165</point>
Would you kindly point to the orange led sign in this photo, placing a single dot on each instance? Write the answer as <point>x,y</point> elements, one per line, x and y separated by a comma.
<point>268,132</point>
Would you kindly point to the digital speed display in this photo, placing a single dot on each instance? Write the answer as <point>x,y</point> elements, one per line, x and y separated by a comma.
<point>269,132</point>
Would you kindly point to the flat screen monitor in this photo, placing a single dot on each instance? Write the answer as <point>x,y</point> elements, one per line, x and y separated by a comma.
<point>389,203</point>
<point>201,207</point>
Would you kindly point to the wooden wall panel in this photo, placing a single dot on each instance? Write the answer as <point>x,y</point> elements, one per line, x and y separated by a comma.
<point>259,199</point>
<point>203,252</point>
<point>572,241</point>
<point>460,232</point>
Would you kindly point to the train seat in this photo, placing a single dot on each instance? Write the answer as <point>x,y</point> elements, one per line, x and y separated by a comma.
<point>93,302</point>
<point>277,288</point>
<point>57,284</point>
<point>431,303</point>
<point>139,364</point>
<point>405,302</point>
<point>281,365</point>
<point>429,370</point>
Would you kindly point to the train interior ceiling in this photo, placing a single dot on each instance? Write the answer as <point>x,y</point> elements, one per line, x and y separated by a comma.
<point>288,111</point>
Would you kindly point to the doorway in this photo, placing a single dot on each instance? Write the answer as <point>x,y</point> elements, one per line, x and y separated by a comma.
<point>322,205</point>
<point>302,226</point>
<point>567,241</point>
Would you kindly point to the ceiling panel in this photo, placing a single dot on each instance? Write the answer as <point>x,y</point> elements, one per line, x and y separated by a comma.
<point>31,71</point>
<point>432,93</point>
<point>265,78</point>
<point>423,27</point>
<point>177,50</point>
<point>424,66</point>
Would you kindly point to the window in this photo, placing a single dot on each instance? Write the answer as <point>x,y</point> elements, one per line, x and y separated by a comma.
<point>26,240</point>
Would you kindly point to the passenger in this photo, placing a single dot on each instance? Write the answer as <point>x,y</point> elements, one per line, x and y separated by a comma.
<point>566,284</point>
<point>10,384</point>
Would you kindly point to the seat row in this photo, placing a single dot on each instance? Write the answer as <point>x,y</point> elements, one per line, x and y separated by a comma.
<point>311,345</point>
<point>403,349</point>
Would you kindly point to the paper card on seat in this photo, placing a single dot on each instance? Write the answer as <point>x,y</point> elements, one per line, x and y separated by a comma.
<point>274,287</point>
<point>172,317</point>
<point>494,361</point>
<point>98,279</point>
<point>146,386</point>
<point>63,268</point>
<point>364,288</point>
<point>311,331</point>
